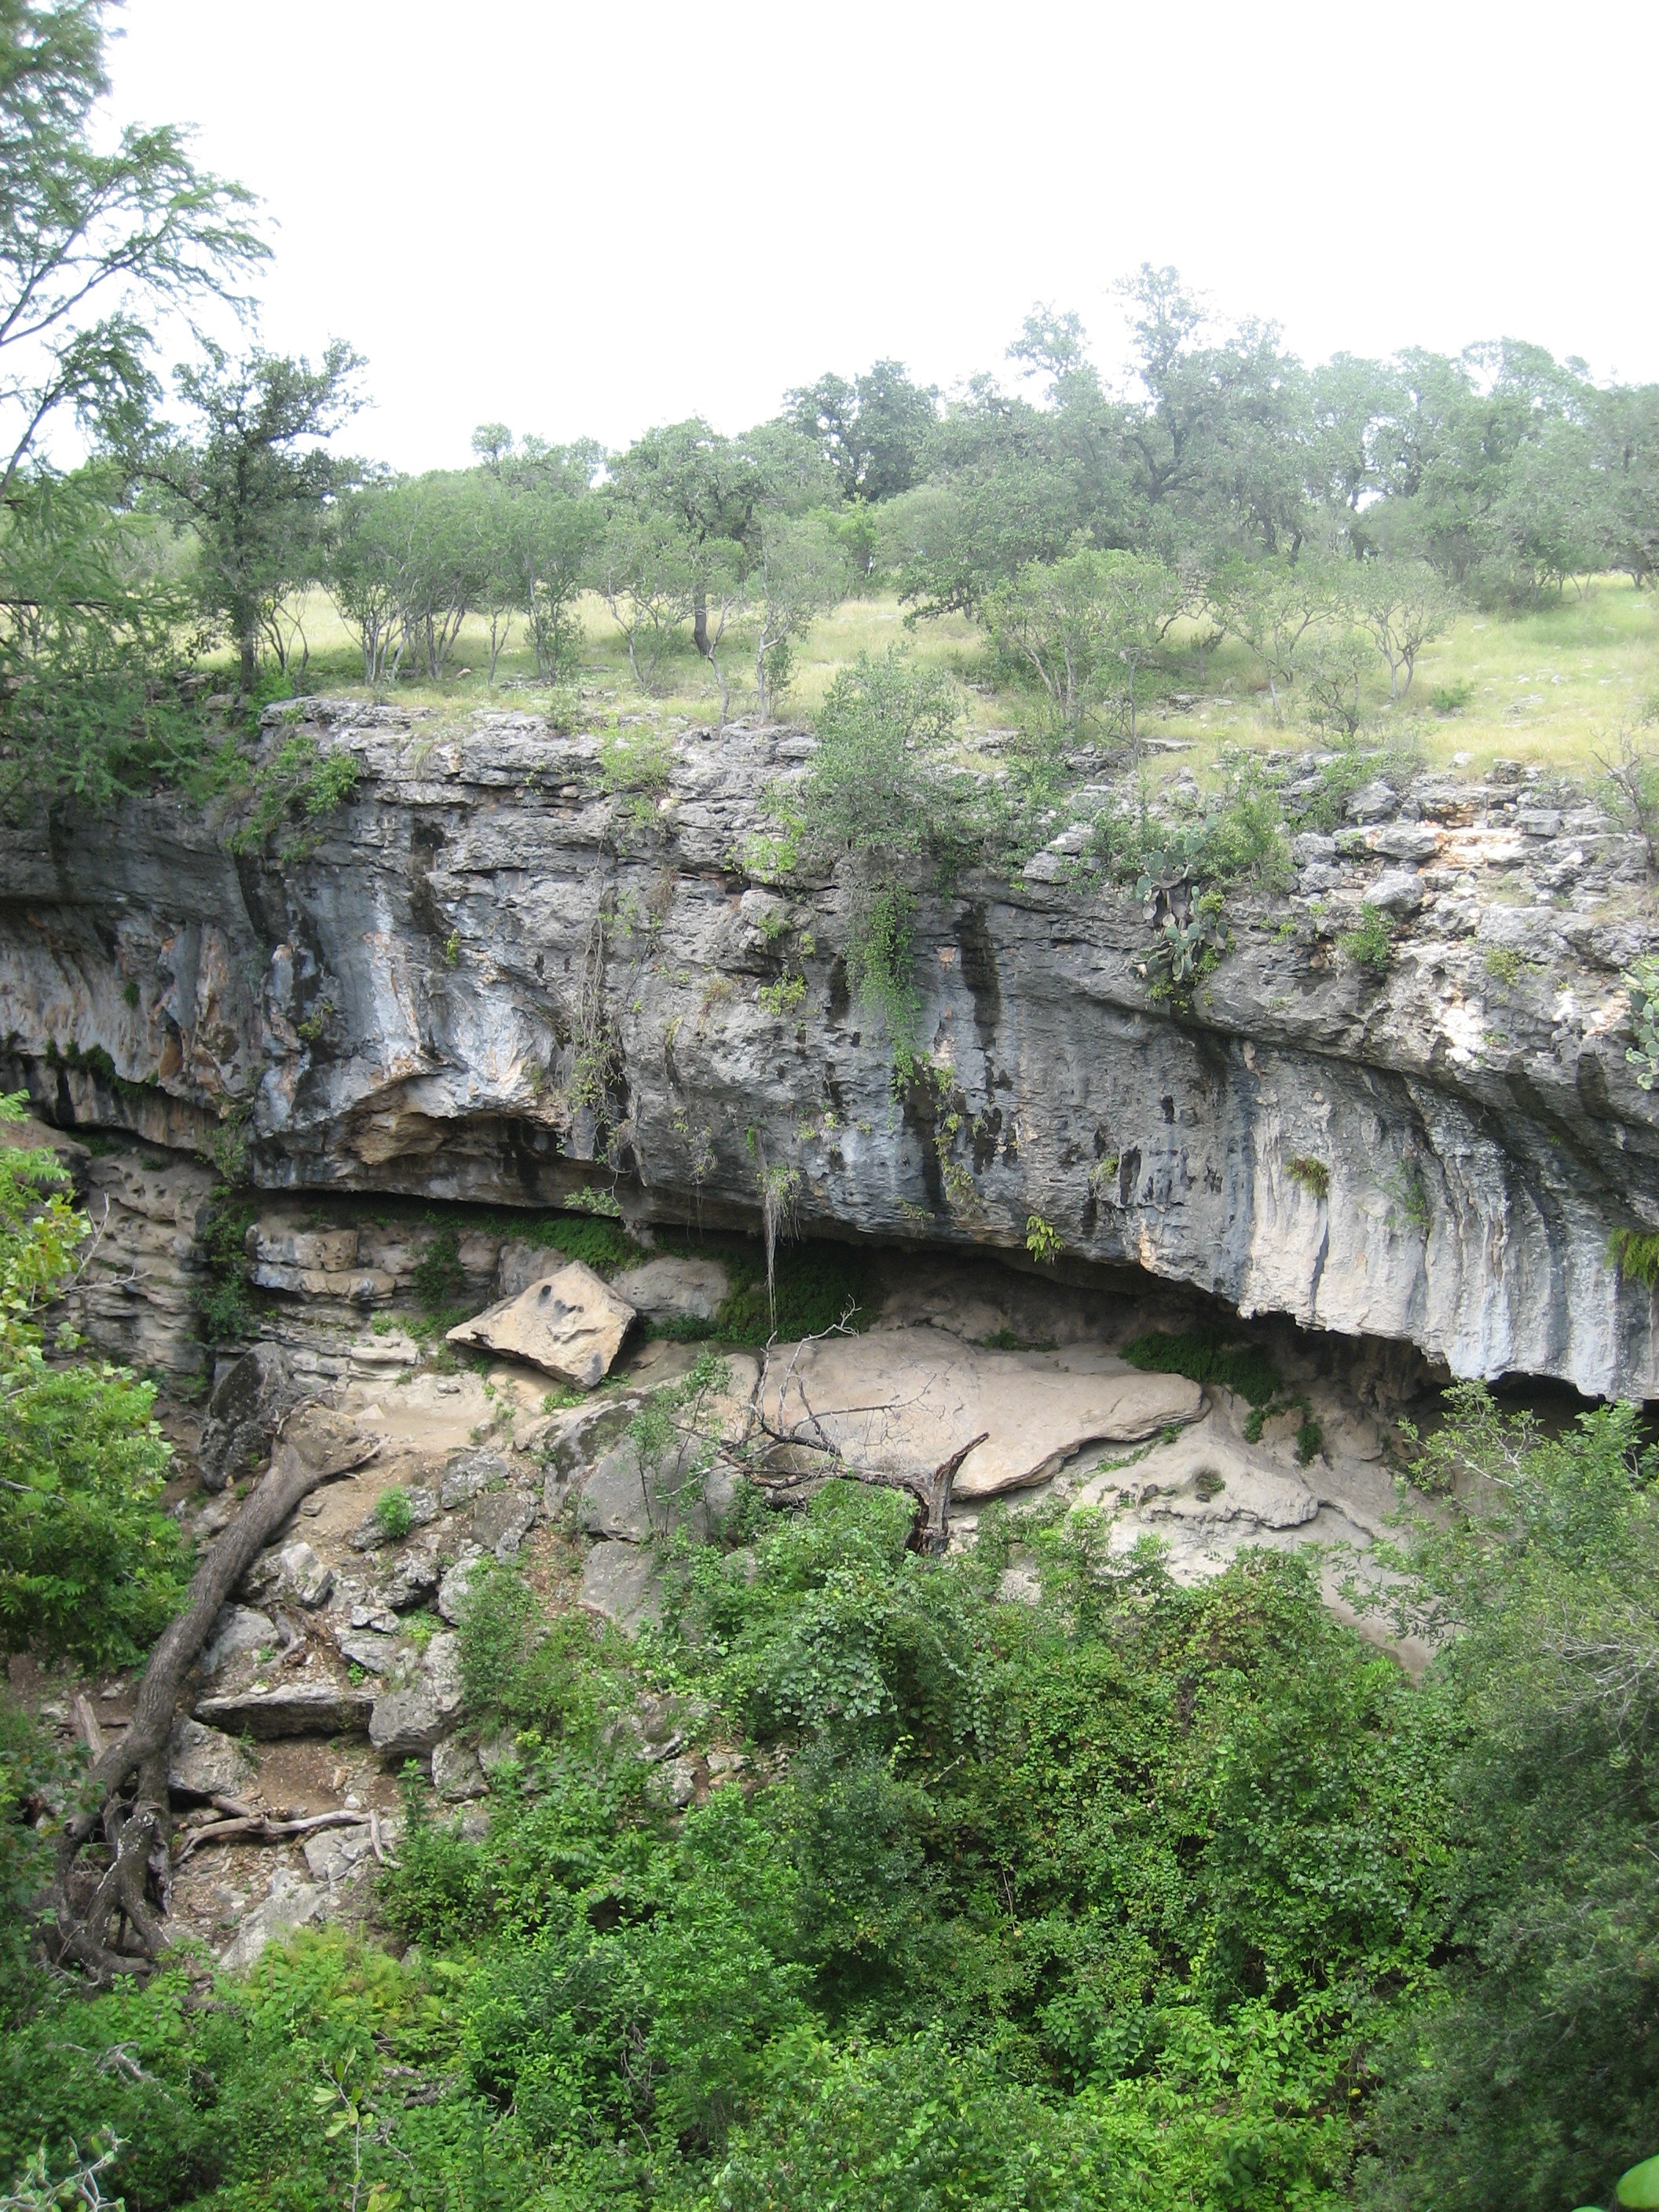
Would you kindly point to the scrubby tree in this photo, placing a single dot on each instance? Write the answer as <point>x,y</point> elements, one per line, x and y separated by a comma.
<point>800,573</point>
<point>1088,627</point>
<point>254,479</point>
<point>1270,606</point>
<point>1405,604</point>
<point>645,569</point>
<point>368,555</point>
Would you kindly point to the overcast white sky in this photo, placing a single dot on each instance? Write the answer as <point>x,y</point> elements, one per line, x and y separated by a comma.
<point>586,220</point>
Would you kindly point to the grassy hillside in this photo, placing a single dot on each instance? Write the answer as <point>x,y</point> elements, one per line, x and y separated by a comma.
<point>1554,684</point>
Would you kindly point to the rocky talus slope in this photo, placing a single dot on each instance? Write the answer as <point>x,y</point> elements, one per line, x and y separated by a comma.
<point>490,977</point>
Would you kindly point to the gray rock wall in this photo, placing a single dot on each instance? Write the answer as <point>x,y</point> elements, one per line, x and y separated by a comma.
<point>489,980</point>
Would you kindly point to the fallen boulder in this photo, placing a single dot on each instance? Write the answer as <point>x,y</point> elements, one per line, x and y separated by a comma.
<point>419,1706</point>
<point>248,1406</point>
<point>675,1290</point>
<point>625,1582</point>
<point>571,1326</point>
<point>205,1762</point>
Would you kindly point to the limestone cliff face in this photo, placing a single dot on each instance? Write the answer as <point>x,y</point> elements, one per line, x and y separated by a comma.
<point>488,979</point>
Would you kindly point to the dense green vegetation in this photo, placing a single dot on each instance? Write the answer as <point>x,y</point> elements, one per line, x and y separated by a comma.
<point>88,1566</point>
<point>1131,1895</point>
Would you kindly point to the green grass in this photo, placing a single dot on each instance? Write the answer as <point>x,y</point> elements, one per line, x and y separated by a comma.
<point>1550,684</point>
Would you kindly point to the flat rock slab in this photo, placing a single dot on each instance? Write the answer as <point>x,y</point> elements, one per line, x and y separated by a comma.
<point>901,1401</point>
<point>291,1709</point>
<point>571,1326</point>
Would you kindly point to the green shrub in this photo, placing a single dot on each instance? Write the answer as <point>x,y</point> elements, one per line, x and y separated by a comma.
<point>1207,1356</point>
<point>1041,1237</point>
<point>438,1279</point>
<point>1450,698</point>
<point>814,1286</point>
<point>1313,1175</point>
<point>302,780</point>
<point>1372,944</point>
<point>393,1516</point>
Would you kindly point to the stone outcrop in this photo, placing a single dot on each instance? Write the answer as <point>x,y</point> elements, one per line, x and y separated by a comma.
<point>1476,1134</point>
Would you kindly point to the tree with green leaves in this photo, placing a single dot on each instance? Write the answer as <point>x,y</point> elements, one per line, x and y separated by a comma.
<point>90,1567</point>
<point>646,570</point>
<point>253,478</point>
<point>94,244</point>
<point>1089,627</point>
<point>1270,606</point>
<point>1405,604</point>
<point>1527,2074</point>
<point>98,244</point>
<point>800,573</point>
<point>872,429</point>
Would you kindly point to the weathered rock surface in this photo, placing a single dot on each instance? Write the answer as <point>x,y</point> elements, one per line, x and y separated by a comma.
<point>1496,1097</point>
<point>317,1708</point>
<point>633,1502</point>
<point>624,1582</point>
<point>239,1628</point>
<point>670,1289</point>
<point>456,1773</point>
<point>901,1401</point>
<point>571,1325</point>
<point>291,1903</point>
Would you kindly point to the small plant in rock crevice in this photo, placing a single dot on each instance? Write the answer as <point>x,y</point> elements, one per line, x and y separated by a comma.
<point>1409,1187</point>
<point>1372,944</point>
<point>1642,982</point>
<point>1313,1175</point>
<point>1635,1254</point>
<point>1042,1238</point>
<point>393,1516</point>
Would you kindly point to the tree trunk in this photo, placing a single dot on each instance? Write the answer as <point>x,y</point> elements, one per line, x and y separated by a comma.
<point>700,623</point>
<point>131,1831</point>
<point>250,653</point>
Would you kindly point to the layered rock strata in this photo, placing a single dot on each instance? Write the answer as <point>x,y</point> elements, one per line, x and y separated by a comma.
<point>492,978</point>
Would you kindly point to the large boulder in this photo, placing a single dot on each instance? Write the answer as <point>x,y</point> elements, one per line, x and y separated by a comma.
<point>205,1762</point>
<point>248,1406</point>
<point>469,1473</point>
<point>675,1290</point>
<point>625,1582</point>
<point>316,1708</point>
<point>236,1629</point>
<point>290,1903</point>
<point>571,1326</point>
<point>421,1701</point>
<point>626,1498</point>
